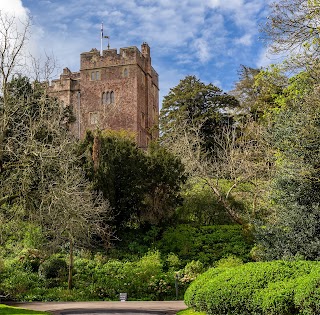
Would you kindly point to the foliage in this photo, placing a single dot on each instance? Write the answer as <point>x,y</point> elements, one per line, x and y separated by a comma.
<point>293,27</point>
<point>54,271</point>
<point>246,91</point>
<point>206,244</point>
<point>228,262</point>
<point>257,288</point>
<point>165,176</point>
<point>190,311</point>
<point>140,186</point>
<point>292,228</point>
<point>200,206</point>
<point>18,279</point>
<point>190,272</point>
<point>194,102</point>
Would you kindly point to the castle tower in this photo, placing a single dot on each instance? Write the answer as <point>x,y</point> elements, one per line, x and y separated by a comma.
<point>117,91</point>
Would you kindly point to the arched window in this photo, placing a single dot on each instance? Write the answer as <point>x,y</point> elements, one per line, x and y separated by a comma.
<point>107,97</point>
<point>95,75</point>
<point>125,72</point>
<point>111,97</point>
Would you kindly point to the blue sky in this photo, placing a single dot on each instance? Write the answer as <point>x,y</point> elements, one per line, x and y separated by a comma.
<point>206,38</point>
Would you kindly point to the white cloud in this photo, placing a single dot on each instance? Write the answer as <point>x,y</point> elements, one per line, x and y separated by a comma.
<point>202,49</point>
<point>13,7</point>
<point>245,40</point>
<point>168,26</point>
<point>188,34</point>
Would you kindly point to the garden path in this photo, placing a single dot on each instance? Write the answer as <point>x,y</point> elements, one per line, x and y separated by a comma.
<point>110,308</point>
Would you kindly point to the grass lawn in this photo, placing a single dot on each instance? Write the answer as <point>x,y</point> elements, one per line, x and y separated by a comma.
<point>190,311</point>
<point>6,310</point>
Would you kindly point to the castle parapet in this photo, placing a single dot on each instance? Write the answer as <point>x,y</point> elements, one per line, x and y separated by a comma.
<point>68,81</point>
<point>111,57</point>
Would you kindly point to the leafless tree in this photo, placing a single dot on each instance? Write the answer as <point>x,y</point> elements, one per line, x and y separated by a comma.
<point>14,34</point>
<point>293,28</point>
<point>68,211</point>
<point>38,165</point>
<point>237,158</point>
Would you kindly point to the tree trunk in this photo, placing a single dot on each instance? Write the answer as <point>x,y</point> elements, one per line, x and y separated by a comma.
<point>70,265</point>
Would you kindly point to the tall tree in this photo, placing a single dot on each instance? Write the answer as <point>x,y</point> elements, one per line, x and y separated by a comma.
<point>237,160</point>
<point>165,176</point>
<point>13,36</point>
<point>39,172</point>
<point>258,90</point>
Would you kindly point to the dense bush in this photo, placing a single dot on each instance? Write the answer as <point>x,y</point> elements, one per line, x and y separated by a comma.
<point>183,253</point>
<point>206,243</point>
<point>269,288</point>
<point>17,279</point>
<point>96,279</point>
<point>54,271</point>
<point>142,279</point>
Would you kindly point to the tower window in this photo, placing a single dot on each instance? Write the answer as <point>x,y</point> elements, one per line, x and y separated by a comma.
<point>107,98</point>
<point>93,118</point>
<point>125,72</point>
<point>95,75</point>
<point>111,97</point>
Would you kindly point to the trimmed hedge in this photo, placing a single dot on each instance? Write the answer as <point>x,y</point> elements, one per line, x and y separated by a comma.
<point>264,288</point>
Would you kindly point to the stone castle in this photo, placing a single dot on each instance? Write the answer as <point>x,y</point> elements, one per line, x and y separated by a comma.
<point>117,91</point>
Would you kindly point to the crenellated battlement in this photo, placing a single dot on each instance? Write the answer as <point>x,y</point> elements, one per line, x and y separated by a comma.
<point>111,57</point>
<point>68,81</point>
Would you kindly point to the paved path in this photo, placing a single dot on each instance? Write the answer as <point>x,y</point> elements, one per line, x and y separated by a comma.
<point>99,308</point>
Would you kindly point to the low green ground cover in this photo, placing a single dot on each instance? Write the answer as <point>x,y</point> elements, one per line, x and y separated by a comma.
<point>9,310</point>
<point>266,288</point>
<point>190,311</point>
<point>30,274</point>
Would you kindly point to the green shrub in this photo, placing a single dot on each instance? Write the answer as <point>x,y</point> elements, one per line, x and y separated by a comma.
<point>201,281</point>
<point>206,244</point>
<point>31,259</point>
<point>256,288</point>
<point>18,282</point>
<point>228,262</point>
<point>307,293</point>
<point>277,298</point>
<point>173,262</point>
<point>54,270</point>
<point>191,271</point>
<point>140,279</point>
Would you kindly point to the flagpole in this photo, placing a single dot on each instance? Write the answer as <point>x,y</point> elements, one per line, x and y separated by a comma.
<point>101,51</point>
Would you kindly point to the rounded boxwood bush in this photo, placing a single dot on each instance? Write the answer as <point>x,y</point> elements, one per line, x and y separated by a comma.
<point>257,288</point>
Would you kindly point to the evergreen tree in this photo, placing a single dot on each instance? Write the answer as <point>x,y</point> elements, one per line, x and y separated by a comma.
<point>193,102</point>
<point>140,186</point>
